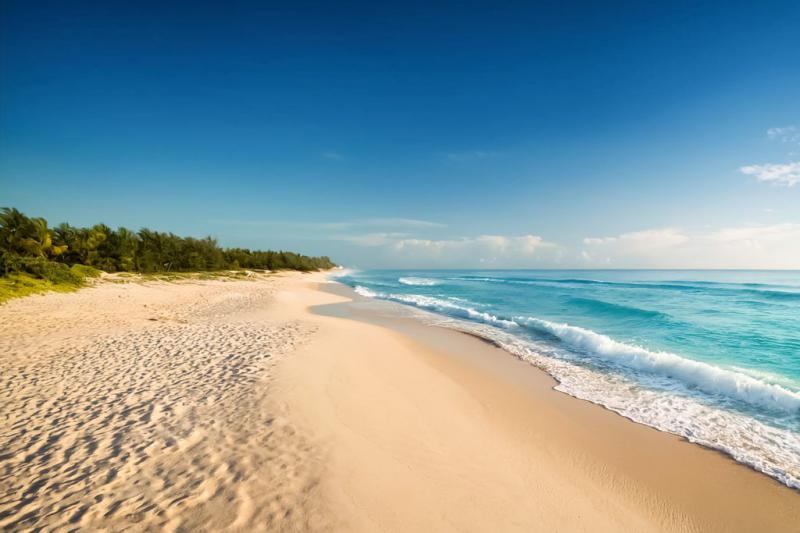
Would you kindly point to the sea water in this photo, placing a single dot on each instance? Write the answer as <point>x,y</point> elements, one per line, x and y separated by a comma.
<point>713,356</point>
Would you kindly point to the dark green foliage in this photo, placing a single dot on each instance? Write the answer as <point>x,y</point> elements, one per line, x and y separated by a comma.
<point>270,260</point>
<point>27,237</point>
<point>27,245</point>
<point>165,252</point>
<point>42,268</point>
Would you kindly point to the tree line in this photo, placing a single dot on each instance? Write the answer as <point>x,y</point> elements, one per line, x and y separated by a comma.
<point>28,245</point>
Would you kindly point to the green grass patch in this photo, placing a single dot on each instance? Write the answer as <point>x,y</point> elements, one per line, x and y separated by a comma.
<point>57,277</point>
<point>53,278</point>
<point>18,285</point>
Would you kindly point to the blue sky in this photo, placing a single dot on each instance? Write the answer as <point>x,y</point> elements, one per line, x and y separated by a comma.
<point>549,134</point>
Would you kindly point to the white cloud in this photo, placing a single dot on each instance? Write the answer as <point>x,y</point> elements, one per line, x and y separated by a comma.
<point>647,239</point>
<point>496,251</point>
<point>786,134</point>
<point>768,246</point>
<point>494,243</point>
<point>755,236</point>
<point>787,174</point>
<point>499,251</point>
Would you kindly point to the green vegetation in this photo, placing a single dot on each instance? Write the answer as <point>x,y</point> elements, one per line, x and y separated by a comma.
<point>18,284</point>
<point>36,258</point>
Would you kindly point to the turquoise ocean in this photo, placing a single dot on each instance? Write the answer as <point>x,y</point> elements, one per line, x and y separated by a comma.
<point>712,356</point>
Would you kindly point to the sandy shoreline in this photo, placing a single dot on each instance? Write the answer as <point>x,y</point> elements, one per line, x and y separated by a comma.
<point>235,406</point>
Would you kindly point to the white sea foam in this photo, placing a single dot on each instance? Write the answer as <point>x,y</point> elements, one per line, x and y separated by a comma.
<point>437,304</point>
<point>703,376</point>
<point>340,272</point>
<point>423,282</point>
<point>363,291</point>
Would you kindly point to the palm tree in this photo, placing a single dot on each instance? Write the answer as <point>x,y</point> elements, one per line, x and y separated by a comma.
<point>38,240</point>
<point>12,229</point>
<point>26,236</point>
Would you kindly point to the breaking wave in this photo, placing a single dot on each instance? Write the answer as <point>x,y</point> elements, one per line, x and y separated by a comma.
<point>421,282</point>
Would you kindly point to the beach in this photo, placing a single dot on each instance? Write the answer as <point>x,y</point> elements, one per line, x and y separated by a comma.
<point>276,403</point>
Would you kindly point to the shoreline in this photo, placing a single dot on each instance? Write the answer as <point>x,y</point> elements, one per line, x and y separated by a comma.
<point>429,319</point>
<point>284,403</point>
<point>665,481</point>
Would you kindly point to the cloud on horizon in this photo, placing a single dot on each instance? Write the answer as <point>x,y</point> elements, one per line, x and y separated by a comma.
<point>413,243</point>
<point>757,246</point>
<point>495,251</point>
<point>481,251</point>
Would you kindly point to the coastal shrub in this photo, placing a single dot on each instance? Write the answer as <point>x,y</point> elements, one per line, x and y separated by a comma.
<point>85,271</point>
<point>66,255</point>
<point>51,271</point>
<point>8,263</point>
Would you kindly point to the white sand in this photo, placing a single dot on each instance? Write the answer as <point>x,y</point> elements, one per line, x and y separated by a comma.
<point>227,405</point>
<point>146,406</point>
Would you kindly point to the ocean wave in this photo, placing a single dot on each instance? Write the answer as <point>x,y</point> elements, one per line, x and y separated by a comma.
<point>363,291</point>
<point>436,304</point>
<point>423,282</point>
<point>601,307</point>
<point>549,282</point>
<point>341,272</point>
<point>700,375</point>
<point>769,292</point>
<point>531,280</point>
<point>737,285</point>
